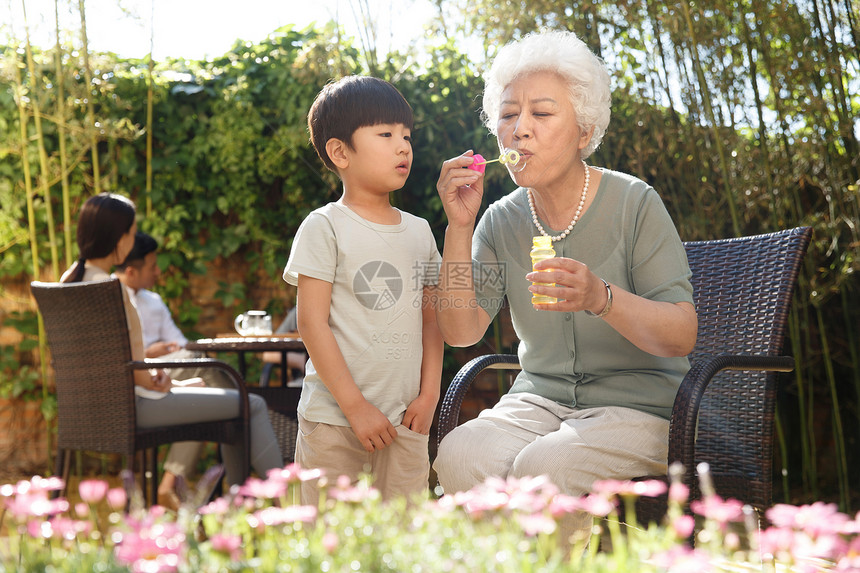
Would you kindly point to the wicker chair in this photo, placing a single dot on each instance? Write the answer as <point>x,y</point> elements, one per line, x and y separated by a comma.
<point>88,337</point>
<point>724,410</point>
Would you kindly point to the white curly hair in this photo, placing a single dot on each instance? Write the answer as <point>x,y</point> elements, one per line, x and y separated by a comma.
<point>565,54</point>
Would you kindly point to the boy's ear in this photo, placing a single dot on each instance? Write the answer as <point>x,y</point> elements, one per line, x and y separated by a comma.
<point>336,150</point>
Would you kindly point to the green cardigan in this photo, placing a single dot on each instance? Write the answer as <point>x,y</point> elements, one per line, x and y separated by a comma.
<point>627,238</point>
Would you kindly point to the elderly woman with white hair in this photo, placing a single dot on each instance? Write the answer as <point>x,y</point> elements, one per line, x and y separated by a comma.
<point>602,365</point>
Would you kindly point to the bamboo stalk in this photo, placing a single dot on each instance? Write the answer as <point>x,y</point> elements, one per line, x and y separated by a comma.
<point>61,135</point>
<point>43,155</point>
<point>88,77</point>
<point>853,344</point>
<point>759,106</point>
<point>836,419</point>
<point>841,99</point>
<point>778,106</point>
<point>807,442</point>
<point>853,26</point>
<point>23,120</point>
<point>31,220</point>
<point>658,38</point>
<point>706,101</point>
<point>690,133</point>
<point>783,455</point>
<point>149,125</point>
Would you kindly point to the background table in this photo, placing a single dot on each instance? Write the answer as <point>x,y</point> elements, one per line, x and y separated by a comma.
<point>283,343</point>
<point>283,400</point>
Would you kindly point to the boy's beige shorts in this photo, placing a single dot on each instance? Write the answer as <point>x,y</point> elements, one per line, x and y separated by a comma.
<point>401,468</point>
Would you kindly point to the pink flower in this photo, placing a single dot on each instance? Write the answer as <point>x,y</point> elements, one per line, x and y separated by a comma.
<point>678,492</point>
<point>330,542</point>
<point>610,487</point>
<point>536,523</point>
<point>650,488</point>
<point>680,559</point>
<point>562,504</point>
<point>82,510</point>
<point>93,490</point>
<point>776,541</point>
<point>782,515</point>
<point>850,561</point>
<point>157,511</point>
<point>597,505</point>
<point>227,544</point>
<point>345,491</point>
<point>852,527</point>
<point>629,488</point>
<point>35,503</point>
<point>263,489</point>
<point>69,529</point>
<point>117,498</point>
<point>290,514</point>
<point>817,519</point>
<point>539,485</point>
<point>295,473</point>
<point>526,501</point>
<point>39,529</point>
<point>714,507</point>
<point>486,501</point>
<point>152,547</point>
<point>60,527</point>
<point>35,484</point>
<point>684,525</point>
<point>219,506</point>
<point>447,502</point>
<point>52,483</point>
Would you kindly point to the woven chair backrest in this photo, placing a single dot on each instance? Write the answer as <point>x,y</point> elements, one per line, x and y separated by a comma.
<point>742,289</point>
<point>89,342</point>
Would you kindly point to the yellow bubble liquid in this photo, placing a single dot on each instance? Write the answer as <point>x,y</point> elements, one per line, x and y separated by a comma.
<point>542,249</point>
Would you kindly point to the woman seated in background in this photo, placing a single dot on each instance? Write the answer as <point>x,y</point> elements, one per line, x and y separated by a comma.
<point>106,230</point>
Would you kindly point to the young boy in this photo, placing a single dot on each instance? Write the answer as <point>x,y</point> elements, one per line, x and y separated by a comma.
<point>362,268</point>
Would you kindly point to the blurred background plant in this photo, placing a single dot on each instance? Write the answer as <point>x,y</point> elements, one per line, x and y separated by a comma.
<point>744,116</point>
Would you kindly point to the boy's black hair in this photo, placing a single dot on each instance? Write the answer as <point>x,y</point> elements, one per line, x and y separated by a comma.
<point>143,245</point>
<point>350,103</point>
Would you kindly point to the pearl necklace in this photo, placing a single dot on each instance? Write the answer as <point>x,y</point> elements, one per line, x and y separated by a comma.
<point>575,216</point>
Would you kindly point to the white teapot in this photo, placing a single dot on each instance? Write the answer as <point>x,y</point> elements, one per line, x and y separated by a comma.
<point>253,323</point>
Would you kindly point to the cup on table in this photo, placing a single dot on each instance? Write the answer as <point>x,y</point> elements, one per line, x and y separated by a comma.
<point>253,323</point>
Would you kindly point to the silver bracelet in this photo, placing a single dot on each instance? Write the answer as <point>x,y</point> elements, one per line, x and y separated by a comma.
<point>608,306</point>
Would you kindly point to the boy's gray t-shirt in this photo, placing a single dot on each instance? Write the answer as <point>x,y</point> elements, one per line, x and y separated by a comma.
<point>625,237</point>
<point>378,273</point>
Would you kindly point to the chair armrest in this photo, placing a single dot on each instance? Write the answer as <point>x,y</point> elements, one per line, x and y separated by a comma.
<point>685,410</point>
<point>449,414</point>
<point>238,382</point>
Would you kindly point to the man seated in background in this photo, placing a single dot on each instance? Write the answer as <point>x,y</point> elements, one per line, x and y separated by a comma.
<point>162,339</point>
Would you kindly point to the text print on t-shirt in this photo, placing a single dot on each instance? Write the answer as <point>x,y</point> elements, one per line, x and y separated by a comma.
<point>396,345</point>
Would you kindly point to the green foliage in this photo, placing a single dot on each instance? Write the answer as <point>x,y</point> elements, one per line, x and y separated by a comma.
<point>18,379</point>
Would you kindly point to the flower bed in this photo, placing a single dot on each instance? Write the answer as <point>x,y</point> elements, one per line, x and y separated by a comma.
<point>502,525</point>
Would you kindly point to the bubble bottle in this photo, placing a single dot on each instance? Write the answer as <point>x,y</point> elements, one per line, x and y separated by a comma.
<point>541,250</point>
